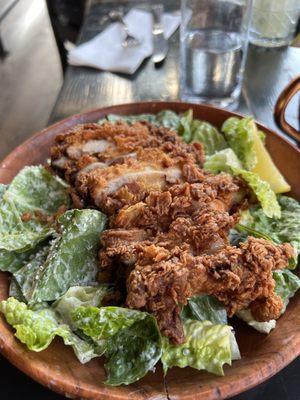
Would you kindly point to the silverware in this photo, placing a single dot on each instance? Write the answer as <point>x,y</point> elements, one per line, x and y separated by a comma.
<point>160,44</point>
<point>129,40</point>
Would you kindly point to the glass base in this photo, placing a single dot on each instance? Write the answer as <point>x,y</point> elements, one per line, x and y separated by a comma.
<point>230,103</point>
<point>268,42</point>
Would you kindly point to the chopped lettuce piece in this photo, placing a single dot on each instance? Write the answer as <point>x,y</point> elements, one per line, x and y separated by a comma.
<point>284,229</point>
<point>185,127</point>
<point>222,160</point>
<point>166,118</point>
<point>169,119</point>
<point>263,192</point>
<point>287,284</point>
<point>208,346</point>
<point>130,339</point>
<point>211,139</point>
<point>130,119</point>
<point>79,296</point>
<point>38,328</point>
<point>133,351</point>
<point>72,258</point>
<point>33,190</point>
<point>15,290</point>
<point>239,133</point>
<point>104,322</point>
<point>27,277</point>
<point>263,327</point>
<point>12,261</point>
<point>205,308</point>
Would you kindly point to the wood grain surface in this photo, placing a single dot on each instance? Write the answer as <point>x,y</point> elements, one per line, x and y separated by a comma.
<point>262,355</point>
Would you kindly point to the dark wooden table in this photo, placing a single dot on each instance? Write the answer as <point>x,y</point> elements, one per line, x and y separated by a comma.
<point>267,72</point>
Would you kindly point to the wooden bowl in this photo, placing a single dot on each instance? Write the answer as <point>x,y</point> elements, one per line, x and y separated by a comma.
<point>262,355</point>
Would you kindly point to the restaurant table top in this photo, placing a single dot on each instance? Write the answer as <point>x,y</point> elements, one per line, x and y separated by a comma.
<point>267,72</point>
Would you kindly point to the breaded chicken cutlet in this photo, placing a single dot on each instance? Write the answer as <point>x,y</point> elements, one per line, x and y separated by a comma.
<point>169,222</point>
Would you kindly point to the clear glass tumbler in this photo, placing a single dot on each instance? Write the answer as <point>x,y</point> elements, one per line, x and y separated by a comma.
<point>213,48</point>
<point>274,22</point>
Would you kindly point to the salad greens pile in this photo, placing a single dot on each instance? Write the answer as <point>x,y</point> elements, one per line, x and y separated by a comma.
<point>51,252</point>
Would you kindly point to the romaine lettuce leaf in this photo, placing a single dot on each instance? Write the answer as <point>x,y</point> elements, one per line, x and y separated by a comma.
<point>211,139</point>
<point>27,276</point>
<point>239,133</point>
<point>130,339</point>
<point>205,308</point>
<point>166,118</point>
<point>185,127</point>
<point>12,261</point>
<point>79,296</point>
<point>208,346</point>
<point>72,257</point>
<point>133,351</point>
<point>263,192</point>
<point>15,290</point>
<point>287,284</point>
<point>38,328</point>
<point>104,322</point>
<point>223,160</point>
<point>33,190</point>
<point>283,229</point>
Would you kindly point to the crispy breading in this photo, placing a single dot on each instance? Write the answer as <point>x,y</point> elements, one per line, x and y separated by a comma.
<point>113,165</point>
<point>239,277</point>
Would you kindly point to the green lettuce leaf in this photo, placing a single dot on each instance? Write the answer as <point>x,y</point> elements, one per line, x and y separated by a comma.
<point>15,290</point>
<point>205,308</point>
<point>283,229</point>
<point>239,133</point>
<point>130,339</point>
<point>33,190</point>
<point>133,351</point>
<point>27,277</point>
<point>166,118</point>
<point>38,328</point>
<point>72,257</point>
<point>79,296</point>
<point>211,139</point>
<point>12,261</point>
<point>223,160</point>
<point>287,284</point>
<point>185,127</point>
<point>104,322</point>
<point>263,192</point>
<point>208,346</point>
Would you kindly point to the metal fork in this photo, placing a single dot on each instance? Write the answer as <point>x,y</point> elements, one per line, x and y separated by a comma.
<point>129,40</point>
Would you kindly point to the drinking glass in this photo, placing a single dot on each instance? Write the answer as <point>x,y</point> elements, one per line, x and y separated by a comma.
<point>274,22</point>
<point>213,47</point>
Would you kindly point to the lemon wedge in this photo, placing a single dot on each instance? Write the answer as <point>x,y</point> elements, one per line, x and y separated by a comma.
<point>266,168</point>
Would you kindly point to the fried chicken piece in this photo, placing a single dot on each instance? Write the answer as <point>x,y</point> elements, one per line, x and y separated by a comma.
<point>113,165</point>
<point>195,217</point>
<point>95,145</point>
<point>238,277</point>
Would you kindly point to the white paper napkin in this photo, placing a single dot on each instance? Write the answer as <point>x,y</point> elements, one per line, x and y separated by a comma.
<point>105,51</point>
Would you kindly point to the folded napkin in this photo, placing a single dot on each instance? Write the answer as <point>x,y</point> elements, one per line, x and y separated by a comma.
<point>105,51</point>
